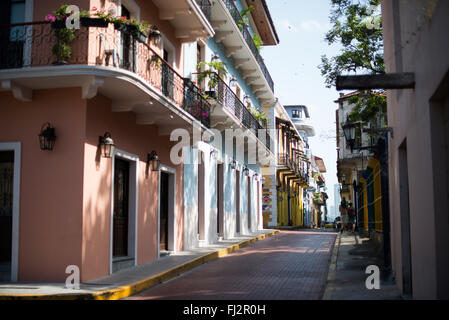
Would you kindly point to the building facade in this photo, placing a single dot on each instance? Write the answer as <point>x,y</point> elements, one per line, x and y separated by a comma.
<point>418,153</point>
<point>132,173</point>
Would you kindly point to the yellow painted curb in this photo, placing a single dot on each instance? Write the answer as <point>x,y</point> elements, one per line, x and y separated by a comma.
<point>139,286</point>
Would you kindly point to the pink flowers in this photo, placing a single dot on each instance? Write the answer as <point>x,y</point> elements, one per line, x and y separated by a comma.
<point>50,17</point>
<point>94,9</point>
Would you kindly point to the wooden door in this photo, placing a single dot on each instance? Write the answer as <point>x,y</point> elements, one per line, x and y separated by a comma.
<point>121,208</point>
<point>6,201</point>
<point>128,45</point>
<point>164,207</point>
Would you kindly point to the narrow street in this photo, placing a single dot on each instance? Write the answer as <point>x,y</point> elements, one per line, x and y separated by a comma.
<point>292,265</point>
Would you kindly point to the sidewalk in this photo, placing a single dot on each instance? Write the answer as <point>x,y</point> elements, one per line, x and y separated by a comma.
<point>133,280</point>
<point>346,279</point>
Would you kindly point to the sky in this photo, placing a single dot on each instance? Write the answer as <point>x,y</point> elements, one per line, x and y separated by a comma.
<point>293,64</point>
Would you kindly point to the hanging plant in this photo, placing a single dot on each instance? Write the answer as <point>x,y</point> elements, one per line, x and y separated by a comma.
<point>62,49</point>
<point>211,68</point>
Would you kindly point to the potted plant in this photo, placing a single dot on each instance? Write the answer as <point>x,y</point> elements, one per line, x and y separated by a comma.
<point>88,21</point>
<point>212,71</point>
<point>62,49</point>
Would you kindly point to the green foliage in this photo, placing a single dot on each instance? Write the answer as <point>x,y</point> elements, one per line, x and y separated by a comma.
<point>207,68</point>
<point>258,115</point>
<point>359,32</point>
<point>244,14</point>
<point>65,36</point>
<point>367,106</point>
<point>257,41</point>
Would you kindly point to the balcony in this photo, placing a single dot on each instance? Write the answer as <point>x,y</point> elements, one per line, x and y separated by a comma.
<point>112,62</point>
<point>300,168</point>
<point>188,20</point>
<point>233,109</point>
<point>227,21</point>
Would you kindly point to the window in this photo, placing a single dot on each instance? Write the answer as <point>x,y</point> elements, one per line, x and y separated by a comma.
<point>296,114</point>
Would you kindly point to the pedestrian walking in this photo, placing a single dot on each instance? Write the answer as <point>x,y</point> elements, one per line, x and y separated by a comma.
<point>343,214</point>
<point>351,218</point>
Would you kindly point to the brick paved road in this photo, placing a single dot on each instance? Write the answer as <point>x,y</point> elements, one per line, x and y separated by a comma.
<point>291,265</point>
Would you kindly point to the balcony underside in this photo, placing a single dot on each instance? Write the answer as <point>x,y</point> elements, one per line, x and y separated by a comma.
<point>186,18</point>
<point>126,91</point>
<point>228,33</point>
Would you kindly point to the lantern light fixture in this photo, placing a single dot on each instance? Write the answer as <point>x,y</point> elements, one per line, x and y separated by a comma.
<point>47,137</point>
<point>246,171</point>
<point>246,99</point>
<point>106,145</point>
<point>232,82</point>
<point>153,161</point>
<point>215,57</point>
<point>233,165</point>
<point>349,132</point>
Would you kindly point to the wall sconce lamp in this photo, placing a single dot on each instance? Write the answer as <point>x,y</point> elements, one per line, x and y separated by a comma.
<point>233,165</point>
<point>106,145</point>
<point>232,82</point>
<point>246,172</point>
<point>246,99</point>
<point>47,137</point>
<point>214,154</point>
<point>154,161</point>
<point>214,58</point>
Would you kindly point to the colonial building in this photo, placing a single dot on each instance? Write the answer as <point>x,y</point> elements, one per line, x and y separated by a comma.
<point>415,43</point>
<point>106,156</point>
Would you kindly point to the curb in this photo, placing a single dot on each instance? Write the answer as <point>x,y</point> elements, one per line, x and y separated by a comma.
<point>332,269</point>
<point>141,285</point>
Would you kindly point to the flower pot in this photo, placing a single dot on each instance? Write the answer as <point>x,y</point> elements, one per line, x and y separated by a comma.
<point>58,24</point>
<point>94,22</point>
<point>142,37</point>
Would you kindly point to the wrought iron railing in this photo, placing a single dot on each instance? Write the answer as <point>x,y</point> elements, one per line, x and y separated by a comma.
<point>205,7</point>
<point>31,45</point>
<point>230,5</point>
<point>220,91</point>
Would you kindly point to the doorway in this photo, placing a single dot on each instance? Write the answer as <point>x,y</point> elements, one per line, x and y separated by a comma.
<point>167,205</point>
<point>121,208</point>
<point>164,204</point>
<point>124,211</point>
<point>128,46</point>
<point>249,204</point>
<point>201,192</point>
<point>237,202</point>
<point>12,39</point>
<point>220,197</point>
<point>6,213</point>
<point>10,155</point>
<point>405,221</point>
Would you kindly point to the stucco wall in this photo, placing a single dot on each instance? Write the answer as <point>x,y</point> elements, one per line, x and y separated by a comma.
<point>50,227</point>
<point>416,43</point>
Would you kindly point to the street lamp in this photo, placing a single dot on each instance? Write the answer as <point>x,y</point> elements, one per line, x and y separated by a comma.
<point>349,132</point>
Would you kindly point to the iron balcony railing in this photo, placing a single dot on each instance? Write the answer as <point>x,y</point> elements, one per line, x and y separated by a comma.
<point>238,19</point>
<point>220,91</point>
<point>205,7</point>
<point>35,45</point>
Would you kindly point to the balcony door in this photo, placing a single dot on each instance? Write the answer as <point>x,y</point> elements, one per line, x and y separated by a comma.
<point>167,76</point>
<point>128,46</point>
<point>12,38</point>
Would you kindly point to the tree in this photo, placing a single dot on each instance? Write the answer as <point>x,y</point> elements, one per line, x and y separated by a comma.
<point>357,27</point>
